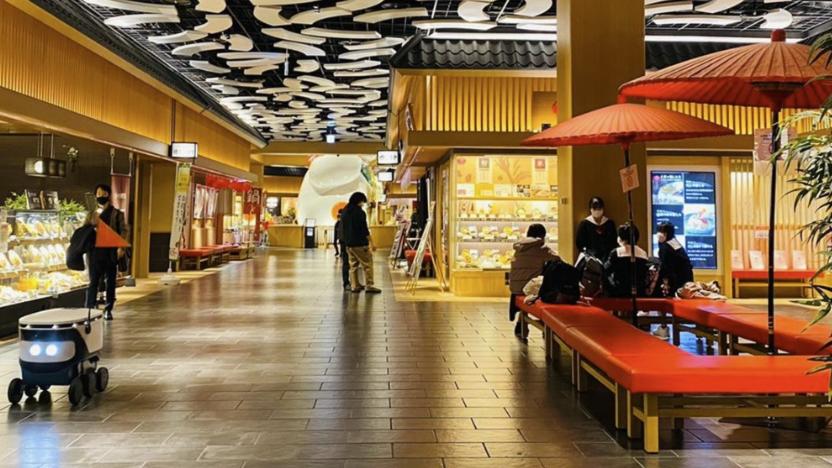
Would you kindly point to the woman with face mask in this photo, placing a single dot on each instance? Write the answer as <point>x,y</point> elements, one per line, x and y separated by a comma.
<point>103,262</point>
<point>596,233</point>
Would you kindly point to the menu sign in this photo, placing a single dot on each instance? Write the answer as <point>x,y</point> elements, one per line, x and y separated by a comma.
<point>687,199</point>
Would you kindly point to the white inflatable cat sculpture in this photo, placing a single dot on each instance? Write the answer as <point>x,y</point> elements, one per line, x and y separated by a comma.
<point>329,182</point>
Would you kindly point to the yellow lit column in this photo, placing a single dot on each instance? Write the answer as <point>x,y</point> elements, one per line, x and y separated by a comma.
<point>600,46</point>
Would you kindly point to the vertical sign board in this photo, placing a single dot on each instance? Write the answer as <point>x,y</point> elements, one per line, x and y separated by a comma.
<point>180,203</point>
<point>687,199</point>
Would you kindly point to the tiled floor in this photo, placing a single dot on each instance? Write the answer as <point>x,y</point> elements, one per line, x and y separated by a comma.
<point>269,364</point>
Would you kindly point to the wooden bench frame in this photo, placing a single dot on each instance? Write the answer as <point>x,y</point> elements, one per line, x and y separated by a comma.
<point>639,414</point>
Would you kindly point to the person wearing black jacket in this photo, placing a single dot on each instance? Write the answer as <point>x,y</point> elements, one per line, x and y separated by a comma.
<point>596,233</point>
<point>103,262</point>
<point>617,269</point>
<point>356,236</point>
<point>341,251</point>
<point>676,268</point>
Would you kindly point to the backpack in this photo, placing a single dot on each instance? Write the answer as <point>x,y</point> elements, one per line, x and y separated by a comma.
<point>560,283</point>
<point>79,244</point>
<point>591,271</point>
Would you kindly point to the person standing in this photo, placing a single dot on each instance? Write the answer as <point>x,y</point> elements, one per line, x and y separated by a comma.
<point>596,234</point>
<point>103,263</point>
<point>341,251</point>
<point>356,236</point>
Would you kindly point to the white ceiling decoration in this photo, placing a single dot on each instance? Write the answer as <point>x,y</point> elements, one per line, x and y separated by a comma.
<point>226,90</point>
<point>318,80</point>
<point>184,36</point>
<point>669,7</point>
<point>281,33</point>
<point>208,66</point>
<point>777,19</point>
<point>326,89</point>
<point>258,71</point>
<point>276,90</point>
<point>251,55</point>
<point>715,20</point>
<point>390,14</point>
<point>361,64</point>
<point>305,49</point>
<point>139,7</point>
<point>363,54</point>
<point>270,16</point>
<point>315,15</point>
<point>341,34</point>
<point>376,44</point>
<point>189,50</point>
<point>239,42</point>
<point>235,83</point>
<point>294,83</point>
<point>372,83</point>
<point>307,66</point>
<point>215,24</point>
<point>210,6</point>
<point>718,6</point>
<point>283,98</point>
<point>361,73</point>
<point>515,19</point>
<point>534,8</point>
<point>280,2</point>
<point>379,103</point>
<point>133,21</point>
<point>312,96</point>
<point>472,10</point>
<point>453,24</point>
<point>538,27</point>
<point>356,5</point>
<point>257,62</point>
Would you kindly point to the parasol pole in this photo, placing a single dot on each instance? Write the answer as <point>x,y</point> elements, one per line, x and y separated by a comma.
<point>633,288</point>
<point>775,147</point>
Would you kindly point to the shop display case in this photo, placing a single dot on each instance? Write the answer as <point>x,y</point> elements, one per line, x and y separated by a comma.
<point>493,202</point>
<point>33,247</point>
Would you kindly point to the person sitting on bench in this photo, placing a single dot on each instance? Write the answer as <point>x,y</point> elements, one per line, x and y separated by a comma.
<point>530,254</point>
<point>617,269</point>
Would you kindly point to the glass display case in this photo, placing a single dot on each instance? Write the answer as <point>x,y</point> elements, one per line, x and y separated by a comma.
<point>33,247</point>
<point>494,199</point>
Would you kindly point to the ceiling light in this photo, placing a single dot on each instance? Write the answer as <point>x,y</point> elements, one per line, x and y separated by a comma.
<point>777,19</point>
<point>319,14</point>
<point>280,33</point>
<point>132,21</point>
<point>713,20</point>
<point>534,8</point>
<point>270,16</point>
<point>363,54</point>
<point>355,5</point>
<point>718,39</point>
<point>468,36</point>
<point>453,24</point>
<point>207,66</point>
<point>717,6</point>
<point>352,65</point>
<point>184,36</point>
<point>141,7</point>
<point>471,10</point>
<point>378,43</point>
<point>391,14</point>
<point>305,49</point>
<point>190,50</point>
<point>341,34</point>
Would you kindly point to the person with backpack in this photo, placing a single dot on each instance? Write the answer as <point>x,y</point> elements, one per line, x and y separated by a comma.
<point>618,268</point>
<point>530,255</point>
<point>596,233</point>
<point>356,236</point>
<point>104,262</point>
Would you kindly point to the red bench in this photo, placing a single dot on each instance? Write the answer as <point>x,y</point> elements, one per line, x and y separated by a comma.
<point>198,258</point>
<point>759,278</point>
<point>652,379</point>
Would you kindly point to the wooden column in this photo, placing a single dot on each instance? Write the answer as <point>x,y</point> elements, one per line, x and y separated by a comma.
<point>600,46</point>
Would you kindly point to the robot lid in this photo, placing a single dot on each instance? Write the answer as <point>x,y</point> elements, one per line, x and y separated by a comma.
<point>62,316</point>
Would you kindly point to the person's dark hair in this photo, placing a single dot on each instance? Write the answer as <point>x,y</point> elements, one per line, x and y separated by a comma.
<point>668,229</point>
<point>105,188</point>
<point>538,231</point>
<point>358,197</point>
<point>596,203</point>
<point>624,233</point>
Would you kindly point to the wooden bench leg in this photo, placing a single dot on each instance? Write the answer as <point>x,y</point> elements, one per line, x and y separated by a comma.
<point>547,345</point>
<point>651,423</point>
<point>555,346</point>
<point>722,342</point>
<point>576,367</point>
<point>634,425</point>
<point>732,345</point>
<point>621,407</point>
<point>676,333</point>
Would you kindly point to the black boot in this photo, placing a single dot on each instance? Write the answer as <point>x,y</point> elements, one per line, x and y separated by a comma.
<point>108,312</point>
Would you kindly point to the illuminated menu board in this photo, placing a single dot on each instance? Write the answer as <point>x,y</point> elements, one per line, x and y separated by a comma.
<point>687,199</point>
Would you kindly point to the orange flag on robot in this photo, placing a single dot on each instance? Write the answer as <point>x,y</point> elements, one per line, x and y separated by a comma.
<point>106,238</point>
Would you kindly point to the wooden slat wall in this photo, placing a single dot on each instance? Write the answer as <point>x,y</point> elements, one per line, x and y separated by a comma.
<point>37,61</point>
<point>749,200</point>
<point>481,104</point>
<point>743,120</point>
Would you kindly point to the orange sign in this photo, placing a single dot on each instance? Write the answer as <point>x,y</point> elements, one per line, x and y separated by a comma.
<point>629,178</point>
<point>106,238</point>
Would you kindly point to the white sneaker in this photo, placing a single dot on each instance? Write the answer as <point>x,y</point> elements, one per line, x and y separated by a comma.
<point>662,333</point>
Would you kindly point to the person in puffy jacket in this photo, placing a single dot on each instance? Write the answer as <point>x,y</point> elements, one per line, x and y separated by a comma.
<point>530,254</point>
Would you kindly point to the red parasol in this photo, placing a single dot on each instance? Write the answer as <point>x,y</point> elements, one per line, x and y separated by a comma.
<point>106,237</point>
<point>775,75</point>
<point>625,124</point>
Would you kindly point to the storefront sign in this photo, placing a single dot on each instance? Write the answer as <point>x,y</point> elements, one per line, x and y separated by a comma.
<point>388,158</point>
<point>385,176</point>
<point>687,199</point>
<point>254,206</point>
<point>184,150</point>
<point>180,204</point>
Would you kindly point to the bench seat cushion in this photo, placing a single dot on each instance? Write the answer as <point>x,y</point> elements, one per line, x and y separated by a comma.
<point>703,311</point>
<point>193,253</point>
<point>787,331</point>
<point>691,374</point>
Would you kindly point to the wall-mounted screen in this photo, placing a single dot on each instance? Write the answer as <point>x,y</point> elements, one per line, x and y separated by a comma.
<point>687,199</point>
<point>388,158</point>
<point>183,150</point>
<point>385,176</point>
